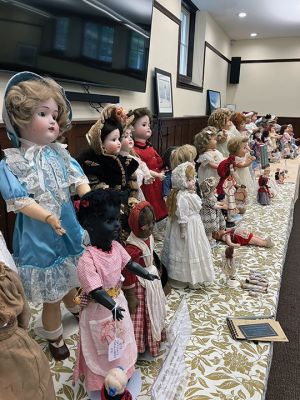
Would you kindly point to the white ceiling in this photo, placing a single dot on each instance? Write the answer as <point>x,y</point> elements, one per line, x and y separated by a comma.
<point>268,18</point>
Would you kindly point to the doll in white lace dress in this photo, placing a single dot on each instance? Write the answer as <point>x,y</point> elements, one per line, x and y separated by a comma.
<point>186,252</point>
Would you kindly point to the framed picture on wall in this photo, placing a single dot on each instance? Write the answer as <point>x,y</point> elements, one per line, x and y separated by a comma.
<point>213,101</point>
<point>164,96</point>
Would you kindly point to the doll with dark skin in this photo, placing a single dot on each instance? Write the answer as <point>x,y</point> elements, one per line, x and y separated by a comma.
<point>146,300</point>
<point>103,302</point>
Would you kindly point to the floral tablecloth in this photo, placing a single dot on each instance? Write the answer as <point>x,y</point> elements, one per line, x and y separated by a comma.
<point>221,368</point>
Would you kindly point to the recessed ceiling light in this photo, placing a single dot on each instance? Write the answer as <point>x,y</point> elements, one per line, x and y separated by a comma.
<point>253,34</point>
<point>242,14</point>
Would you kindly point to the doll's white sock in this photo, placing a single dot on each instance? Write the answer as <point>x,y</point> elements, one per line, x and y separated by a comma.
<point>73,310</point>
<point>53,335</point>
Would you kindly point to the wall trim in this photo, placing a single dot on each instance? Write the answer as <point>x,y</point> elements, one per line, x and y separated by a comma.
<point>166,12</point>
<point>275,60</point>
<point>217,52</point>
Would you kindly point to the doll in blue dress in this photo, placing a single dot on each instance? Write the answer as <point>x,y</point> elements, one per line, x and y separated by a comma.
<point>37,178</point>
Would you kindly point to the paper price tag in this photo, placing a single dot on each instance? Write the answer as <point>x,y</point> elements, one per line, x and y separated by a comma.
<point>115,349</point>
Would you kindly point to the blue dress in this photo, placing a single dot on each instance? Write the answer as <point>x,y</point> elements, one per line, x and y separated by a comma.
<point>46,261</point>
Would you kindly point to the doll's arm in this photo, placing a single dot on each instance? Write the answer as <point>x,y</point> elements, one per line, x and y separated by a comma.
<point>159,175</point>
<point>82,189</point>
<point>138,270</point>
<point>245,163</point>
<point>212,165</point>
<point>35,211</point>
<point>182,228</point>
<point>101,297</point>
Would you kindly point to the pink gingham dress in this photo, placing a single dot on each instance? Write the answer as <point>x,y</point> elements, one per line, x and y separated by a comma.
<point>97,268</point>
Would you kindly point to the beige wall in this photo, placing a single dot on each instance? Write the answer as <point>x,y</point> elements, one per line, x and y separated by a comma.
<point>163,55</point>
<point>267,87</point>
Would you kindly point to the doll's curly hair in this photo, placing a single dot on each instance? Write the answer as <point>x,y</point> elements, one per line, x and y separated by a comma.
<point>235,143</point>
<point>237,119</point>
<point>219,117</point>
<point>182,154</point>
<point>94,204</point>
<point>202,138</point>
<point>139,113</point>
<point>24,98</point>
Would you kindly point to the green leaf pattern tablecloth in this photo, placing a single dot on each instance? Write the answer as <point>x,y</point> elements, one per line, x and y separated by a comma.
<point>221,368</point>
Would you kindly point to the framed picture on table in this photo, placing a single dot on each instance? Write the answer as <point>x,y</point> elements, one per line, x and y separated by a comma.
<point>164,96</point>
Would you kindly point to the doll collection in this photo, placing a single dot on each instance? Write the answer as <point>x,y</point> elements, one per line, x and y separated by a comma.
<point>85,232</point>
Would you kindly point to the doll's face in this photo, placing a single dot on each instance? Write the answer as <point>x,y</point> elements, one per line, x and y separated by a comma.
<point>212,144</point>
<point>142,130</point>
<point>190,184</point>
<point>43,128</point>
<point>227,124</point>
<point>127,141</point>
<point>254,118</point>
<point>146,224</point>
<point>111,143</point>
<point>103,229</point>
<point>242,150</point>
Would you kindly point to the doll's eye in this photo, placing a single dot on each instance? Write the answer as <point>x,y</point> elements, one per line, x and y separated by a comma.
<point>41,114</point>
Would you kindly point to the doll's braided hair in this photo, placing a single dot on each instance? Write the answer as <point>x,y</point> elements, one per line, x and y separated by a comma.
<point>94,203</point>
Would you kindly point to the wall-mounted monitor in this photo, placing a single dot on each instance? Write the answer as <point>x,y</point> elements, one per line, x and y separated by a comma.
<point>97,42</point>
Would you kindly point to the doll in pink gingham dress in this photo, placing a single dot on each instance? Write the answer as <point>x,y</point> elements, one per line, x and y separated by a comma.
<point>104,314</point>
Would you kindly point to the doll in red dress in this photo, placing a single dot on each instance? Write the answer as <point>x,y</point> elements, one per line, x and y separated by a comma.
<point>146,301</point>
<point>141,135</point>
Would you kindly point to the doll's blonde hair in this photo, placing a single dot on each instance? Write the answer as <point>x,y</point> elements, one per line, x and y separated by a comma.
<point>202,138</point>
<point>182,154</point>
<point>172,198</point>
<point>219,117</point>
<point>24,98</point>
<point>235,143</point>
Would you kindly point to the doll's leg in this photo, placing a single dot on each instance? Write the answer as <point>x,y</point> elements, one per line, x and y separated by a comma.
<point>258,241</point>
<point>53,330</point>
<point>69,303</point>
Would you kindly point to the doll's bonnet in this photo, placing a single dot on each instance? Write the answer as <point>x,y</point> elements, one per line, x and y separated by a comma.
<point>179,179</point>
<point>208,186</point>
<point>15,80</point>
<point>110,111</point>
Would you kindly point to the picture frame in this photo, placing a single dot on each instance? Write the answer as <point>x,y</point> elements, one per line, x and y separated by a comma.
<point>164,95</point>
<point>213,101</point>
<point>231,107</point>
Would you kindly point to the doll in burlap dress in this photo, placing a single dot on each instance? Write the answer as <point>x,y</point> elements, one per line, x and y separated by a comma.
<point>24,369</point>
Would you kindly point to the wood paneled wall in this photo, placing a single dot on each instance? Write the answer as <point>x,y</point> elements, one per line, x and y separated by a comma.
<point>166,132</point>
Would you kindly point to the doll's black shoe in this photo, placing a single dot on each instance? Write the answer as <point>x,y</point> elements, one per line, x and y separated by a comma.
<point>76,315</point>
<point>230,224</point>
<point>58,349</point>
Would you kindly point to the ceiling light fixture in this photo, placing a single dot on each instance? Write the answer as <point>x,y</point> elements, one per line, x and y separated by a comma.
<point>242,14</point>
<point>253,34</point>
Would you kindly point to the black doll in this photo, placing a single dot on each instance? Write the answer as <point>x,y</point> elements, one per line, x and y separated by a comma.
<point>106,331</point>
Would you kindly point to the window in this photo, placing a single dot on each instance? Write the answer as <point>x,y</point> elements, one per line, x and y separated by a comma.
<point>186,45</point>
<point>98,42</point>
<point>61,33</point>
<point>137,52</point>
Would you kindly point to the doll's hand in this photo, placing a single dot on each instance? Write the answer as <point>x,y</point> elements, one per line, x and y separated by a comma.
<point>55,224</point>
<point>150,179</point>
<point>132,201</point>
<point>118,313</point>
<point>151,277</point>
<point>161,176</point>
<point>182,228</point>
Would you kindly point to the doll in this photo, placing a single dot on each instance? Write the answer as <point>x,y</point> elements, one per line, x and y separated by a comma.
<point>143,174</point>
<point>237,237</point>
<point>167,158</point>
<point>211,215</point>
<point>220,119</point>
<point>241,198</point>
<point>209,157</point>
<point>24,369</point>
<point>5,255</point>
<point>141,134</point>
<point>114,387</point>
<point>182,154</point>
<point>239,121</point>
<point>186,251</point>
<point>106,336</point>
<point>229,267</point>
<point>146,300</point>
<point>263,194</point>
<point>238,147</point>
<point>271,182</point>
<point>37,178</point>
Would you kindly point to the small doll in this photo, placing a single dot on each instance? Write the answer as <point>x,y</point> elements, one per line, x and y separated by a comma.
<point>24,369</point>
<point>146,299</point>
<point>229,267</point>
<point>106,336</point>
<point>241,198</point>
<point>237,237</point>
<point>37,178</point>
<point>186,251</point>
<point>141,134</point>
<point>220,119</point>
<point>114,387</point>
<point>211,215</point>
<point>264,195</point>
<point>238,147</point>
<point>5,255</point>
<point>209,157</point>
<point>143,174</point>
<point>167,157</point>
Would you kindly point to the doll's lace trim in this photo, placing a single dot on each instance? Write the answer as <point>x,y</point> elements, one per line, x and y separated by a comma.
<point>16,205</point>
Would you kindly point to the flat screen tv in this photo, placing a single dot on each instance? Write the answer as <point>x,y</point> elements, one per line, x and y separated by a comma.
<point>105,42</point>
